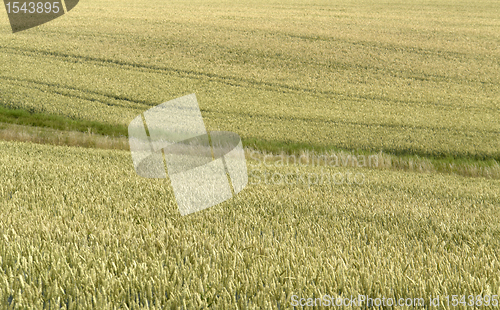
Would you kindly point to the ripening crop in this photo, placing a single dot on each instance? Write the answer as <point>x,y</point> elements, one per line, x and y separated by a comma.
<point>79,228</point>
<point>414,78</point>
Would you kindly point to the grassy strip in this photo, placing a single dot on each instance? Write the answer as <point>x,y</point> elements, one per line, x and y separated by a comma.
<point>41,135</point>
<point>378,161</point>
<point>64,131</point>
<point>487,169</point>
<point>293,148</point>
<point>31,118</point>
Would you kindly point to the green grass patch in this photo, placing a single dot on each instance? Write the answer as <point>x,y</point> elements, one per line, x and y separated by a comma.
<point>442,162</point>
<point>32,118</point>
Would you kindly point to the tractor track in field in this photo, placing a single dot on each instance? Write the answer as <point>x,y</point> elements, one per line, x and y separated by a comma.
<point>233,81</point>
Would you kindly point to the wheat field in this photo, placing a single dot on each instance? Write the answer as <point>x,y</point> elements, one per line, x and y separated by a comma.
<point>419,78</point>
<point>80,230</point>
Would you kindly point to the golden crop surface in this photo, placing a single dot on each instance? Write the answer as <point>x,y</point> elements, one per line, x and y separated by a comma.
<point>79,227</point>
<point>421,77</point>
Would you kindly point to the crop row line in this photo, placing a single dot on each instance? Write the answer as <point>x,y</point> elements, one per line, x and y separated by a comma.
<point>227,80</point>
